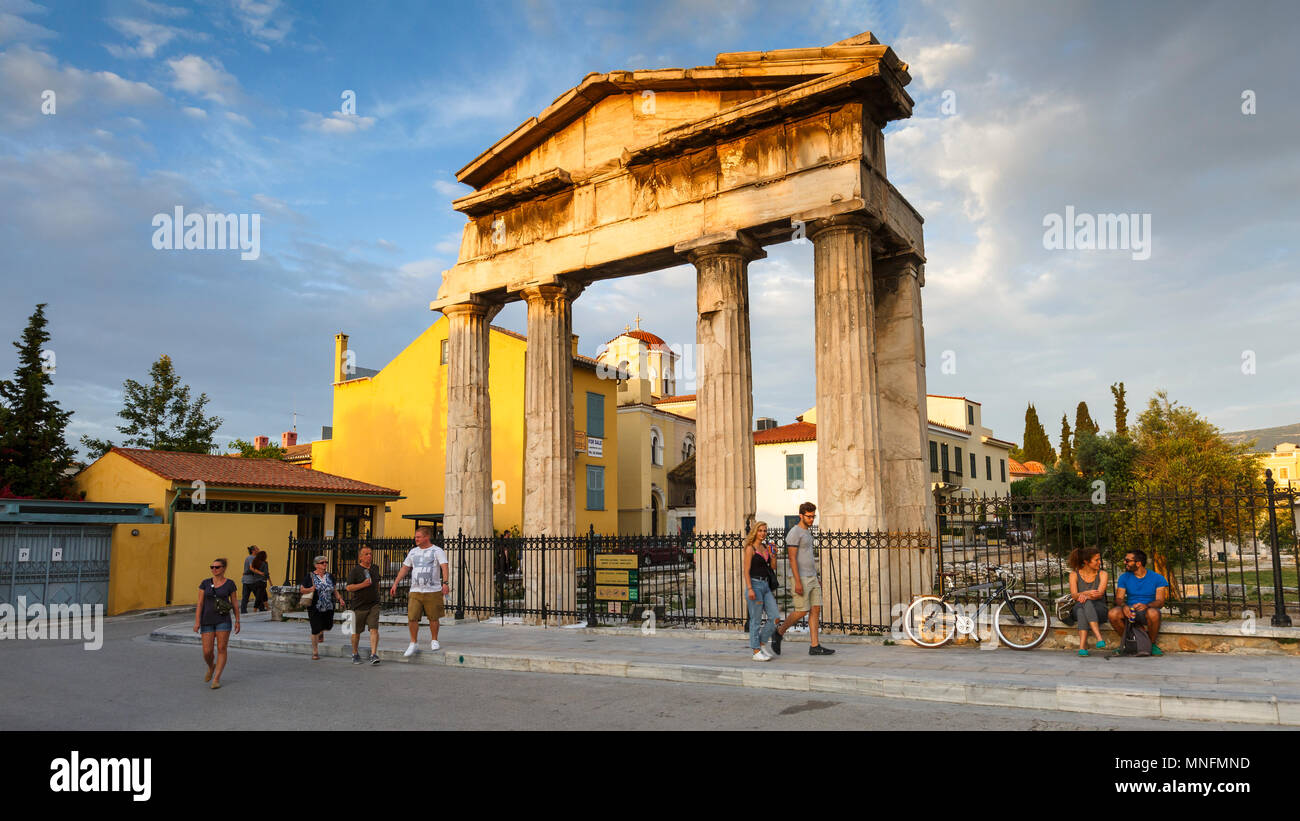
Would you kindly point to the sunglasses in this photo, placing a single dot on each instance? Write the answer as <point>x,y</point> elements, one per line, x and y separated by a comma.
<point>216,566</point>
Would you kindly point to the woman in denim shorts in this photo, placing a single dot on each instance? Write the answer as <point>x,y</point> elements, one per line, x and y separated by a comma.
<point>212,617</point>
<point>759,557</point>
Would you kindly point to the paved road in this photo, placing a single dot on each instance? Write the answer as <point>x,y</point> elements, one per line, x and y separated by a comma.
<point>135,683</point>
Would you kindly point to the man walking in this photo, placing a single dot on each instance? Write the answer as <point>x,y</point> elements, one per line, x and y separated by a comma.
<point>363,584</point>
<point>807,584</point>
<point>427,564</point>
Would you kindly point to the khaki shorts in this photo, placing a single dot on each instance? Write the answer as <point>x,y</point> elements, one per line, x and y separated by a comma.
<point>812,595</point>
<point>424,604</point>
<point>365,618</point>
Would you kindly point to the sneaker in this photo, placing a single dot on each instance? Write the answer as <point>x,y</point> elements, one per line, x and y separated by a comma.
<point>1083,652</point>
<point>776,642</point>
<point>759,655</point>
<point>434,645</point>
<point>1101,645</point>
<point>820,650</point>
<point>356,659</point>
<point>410,650</point>
<point>374,659</point>
<point>1156,651</point>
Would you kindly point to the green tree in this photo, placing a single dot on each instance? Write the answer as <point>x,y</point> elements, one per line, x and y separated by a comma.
<point>1067,452</point>
<point>1121,409</point>
<point>1083,424</point>
<point>249,451</point>
<point>160,415</point>
<point>33,451</point>
<point>1037,448</point>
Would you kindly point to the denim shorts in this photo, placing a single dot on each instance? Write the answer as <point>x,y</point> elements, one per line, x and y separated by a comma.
<point>214,628</point>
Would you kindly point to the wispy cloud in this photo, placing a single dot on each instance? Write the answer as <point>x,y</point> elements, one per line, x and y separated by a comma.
<point>204,78</point>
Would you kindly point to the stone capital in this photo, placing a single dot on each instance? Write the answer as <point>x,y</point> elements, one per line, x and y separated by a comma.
<point>725,243</point>
<point>472,307</point>
<point>552,291</point>
<point>853,221</point>
<point>899,265</point>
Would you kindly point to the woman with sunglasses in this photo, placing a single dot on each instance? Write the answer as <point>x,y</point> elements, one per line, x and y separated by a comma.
<point>212,616</point>
<point>325,593</point>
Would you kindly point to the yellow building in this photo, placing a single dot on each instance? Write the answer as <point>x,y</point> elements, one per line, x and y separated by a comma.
<point>216,506</point>
<point>390,427</point>
<point>1284,461</point>
<point>964,455</point>
<point>656,433</point>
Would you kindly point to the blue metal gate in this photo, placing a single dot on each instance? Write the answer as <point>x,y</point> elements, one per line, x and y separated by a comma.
<point>54,564</point>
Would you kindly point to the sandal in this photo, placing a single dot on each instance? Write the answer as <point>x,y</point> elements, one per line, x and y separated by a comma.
<point>315,657</point>
<point>216,685</point>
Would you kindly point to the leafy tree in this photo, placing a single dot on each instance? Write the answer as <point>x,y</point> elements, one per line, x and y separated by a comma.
<point>249,451</point>
<point>160,415</point>
<point>1067,452</point>
<point>1121,409</point>
<point>33,451</point>
<point>1037,448</point>
<point>1083,423</point>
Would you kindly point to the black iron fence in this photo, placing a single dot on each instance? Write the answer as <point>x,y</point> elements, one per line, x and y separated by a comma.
<point>1225,551</point>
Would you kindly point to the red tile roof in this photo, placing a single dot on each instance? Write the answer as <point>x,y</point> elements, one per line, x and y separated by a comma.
<point>947,427</point>
<point>297,453</point>
<point>1026,469</point>
<point>794,432</point>
<point>684,397</point>
<point>227,471</point>
<point>644,336</point>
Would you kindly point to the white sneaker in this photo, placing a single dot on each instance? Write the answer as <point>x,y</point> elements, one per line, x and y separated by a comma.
<point>759,655</point>
<point>410,650</point>
<point>767,651</point>
<point>434,645</point>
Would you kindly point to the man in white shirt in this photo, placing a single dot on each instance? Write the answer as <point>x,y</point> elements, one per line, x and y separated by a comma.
<point>427,564</point>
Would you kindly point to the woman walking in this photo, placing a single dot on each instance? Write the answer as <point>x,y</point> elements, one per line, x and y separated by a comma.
<point>212,617</point>
<point>254,579</point>
<point>321,612</point>
<point>1088,589</point>
<point>758,562</point>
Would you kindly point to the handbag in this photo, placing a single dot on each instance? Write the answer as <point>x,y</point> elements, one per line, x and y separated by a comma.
<point>306,599</point>
<point>1065,608</point>
<point>772,582</point>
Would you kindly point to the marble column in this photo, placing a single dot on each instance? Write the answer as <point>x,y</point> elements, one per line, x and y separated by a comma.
<point>849,494</point>
<point>900,368</point>
<point>467,501</point>
<point>724,455</point>
<point>549,479</point>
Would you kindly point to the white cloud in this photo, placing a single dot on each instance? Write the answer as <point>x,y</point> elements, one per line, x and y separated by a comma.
<point>337,123</point>
<point>238,119</point>
<point>149,37</point>
<point>210,80</point>
<point>196,113</point>
<point>451,190</point>
<point>26,74</point>
<point>263,19</point>
<point>13,28</point>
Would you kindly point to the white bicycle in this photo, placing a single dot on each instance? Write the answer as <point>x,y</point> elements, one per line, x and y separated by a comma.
<point>933,621</point>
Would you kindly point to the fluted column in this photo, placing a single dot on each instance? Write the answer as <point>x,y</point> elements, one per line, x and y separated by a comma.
<point>549,480</point>
<point>467,500</point>
<point>900,368</point>
<point>724,455</point>
<point>848,431</point>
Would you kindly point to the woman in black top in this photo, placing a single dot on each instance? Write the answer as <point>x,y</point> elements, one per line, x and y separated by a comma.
<point>212,617</point>
<point>759,558</point>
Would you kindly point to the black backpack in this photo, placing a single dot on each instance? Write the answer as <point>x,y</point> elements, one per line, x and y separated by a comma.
<point>1137,642</point>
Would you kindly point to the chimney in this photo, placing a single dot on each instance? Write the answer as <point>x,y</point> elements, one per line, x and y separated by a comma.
<point>340,357</point>
<point>289,438</point>
<point>573,345</point>
<point>260,442</point>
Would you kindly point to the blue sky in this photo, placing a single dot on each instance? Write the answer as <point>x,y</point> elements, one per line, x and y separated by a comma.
<point>235,107</point>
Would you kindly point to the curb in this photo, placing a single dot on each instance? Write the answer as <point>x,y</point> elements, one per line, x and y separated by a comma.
<point>1135,702</point>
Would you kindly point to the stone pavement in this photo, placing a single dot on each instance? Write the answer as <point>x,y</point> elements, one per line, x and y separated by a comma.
<point>1261,689</point>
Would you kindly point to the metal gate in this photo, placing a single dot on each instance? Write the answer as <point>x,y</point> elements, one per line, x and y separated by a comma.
<point>55,564</point>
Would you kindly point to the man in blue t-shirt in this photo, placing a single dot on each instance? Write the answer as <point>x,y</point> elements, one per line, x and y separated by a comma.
<point>1139,595</point>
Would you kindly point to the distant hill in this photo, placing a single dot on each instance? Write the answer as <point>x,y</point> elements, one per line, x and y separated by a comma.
<point>1268,438</point>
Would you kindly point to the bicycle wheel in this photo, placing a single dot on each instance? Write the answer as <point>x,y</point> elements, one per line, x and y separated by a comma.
<point>930,622</point>
<point>1027,622</point>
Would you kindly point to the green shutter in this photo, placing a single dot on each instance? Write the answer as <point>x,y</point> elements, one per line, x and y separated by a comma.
<point>596,415</point>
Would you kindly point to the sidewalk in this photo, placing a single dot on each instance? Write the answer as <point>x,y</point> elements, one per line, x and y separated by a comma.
<point>1210,687</point>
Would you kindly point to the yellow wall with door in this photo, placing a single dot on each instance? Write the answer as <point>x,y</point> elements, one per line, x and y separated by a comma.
<point>137,575</point>
<point>390,429</point>
<point>202,537</point>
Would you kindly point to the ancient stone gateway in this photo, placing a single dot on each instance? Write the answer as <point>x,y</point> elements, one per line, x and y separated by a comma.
<point>635,171</point>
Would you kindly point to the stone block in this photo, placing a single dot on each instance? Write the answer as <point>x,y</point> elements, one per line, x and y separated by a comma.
<point>775,679</point>
<point>924,690</point>
<point>1231,707</point>
<point>1003,695</point>
<point>711,675</point>
<point>1108,701</point>
<point>659,672</point>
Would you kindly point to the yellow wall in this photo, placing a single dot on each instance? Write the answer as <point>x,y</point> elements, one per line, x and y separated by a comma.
<point>137,575</point>
<point>1284,461</point>
<point>391,429</point>
<point>114,478</point>
<point>637,475</point>
<point>202,537</point>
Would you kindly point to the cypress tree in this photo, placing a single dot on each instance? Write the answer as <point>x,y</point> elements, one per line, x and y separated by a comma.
<point>33,452</point>
<point>1083,424</point>
<point>1067,452</point>
<point>1038,448</point>
<point>1121,409</point>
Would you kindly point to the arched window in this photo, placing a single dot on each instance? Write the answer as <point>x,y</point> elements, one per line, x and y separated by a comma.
<point>656,447</point>
<point>688,446</point>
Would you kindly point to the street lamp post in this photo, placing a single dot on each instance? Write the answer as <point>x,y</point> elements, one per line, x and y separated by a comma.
<point>1280,617</point>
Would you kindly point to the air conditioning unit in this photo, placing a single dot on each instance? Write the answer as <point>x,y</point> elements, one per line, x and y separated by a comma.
<point>766,423</point>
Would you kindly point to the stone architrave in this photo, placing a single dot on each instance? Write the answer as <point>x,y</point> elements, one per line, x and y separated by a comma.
<point>900,372</point>
<point>468,492</point>
<point>549,477</point>
<point>849,495</point>
<point>724,454</point>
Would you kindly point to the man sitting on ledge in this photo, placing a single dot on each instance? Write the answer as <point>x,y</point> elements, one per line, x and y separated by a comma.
<point>1139,595</point>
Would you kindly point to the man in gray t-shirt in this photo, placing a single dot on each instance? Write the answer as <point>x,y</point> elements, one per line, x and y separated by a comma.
<point>807,582</point>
